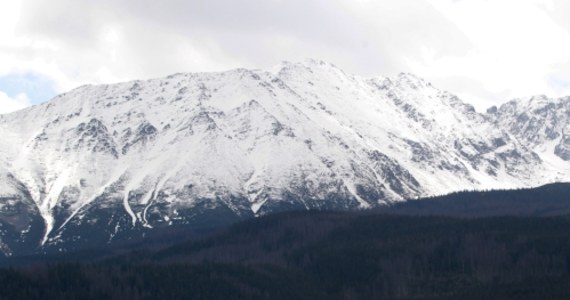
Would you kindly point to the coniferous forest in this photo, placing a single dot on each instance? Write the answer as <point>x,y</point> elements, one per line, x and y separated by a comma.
<point>472,249</point>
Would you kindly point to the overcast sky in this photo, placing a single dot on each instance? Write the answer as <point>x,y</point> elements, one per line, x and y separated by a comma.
<point>486,52</point>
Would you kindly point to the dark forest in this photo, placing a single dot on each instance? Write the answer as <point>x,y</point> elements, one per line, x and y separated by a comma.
<point>516,248</point>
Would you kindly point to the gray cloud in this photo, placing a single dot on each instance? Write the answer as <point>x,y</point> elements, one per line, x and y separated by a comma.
<point>369,40</point>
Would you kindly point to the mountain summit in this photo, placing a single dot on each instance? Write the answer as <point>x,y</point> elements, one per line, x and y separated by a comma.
<point>108,162</point>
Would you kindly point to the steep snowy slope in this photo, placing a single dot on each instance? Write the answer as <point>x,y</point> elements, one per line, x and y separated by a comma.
<point>542,124</point>
<point>104,162</point>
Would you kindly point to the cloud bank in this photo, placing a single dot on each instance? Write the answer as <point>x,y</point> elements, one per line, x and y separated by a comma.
<point>8,104</point>
<point>487,52</point>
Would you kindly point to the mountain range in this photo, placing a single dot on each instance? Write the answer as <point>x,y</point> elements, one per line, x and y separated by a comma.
<point>112,163</point>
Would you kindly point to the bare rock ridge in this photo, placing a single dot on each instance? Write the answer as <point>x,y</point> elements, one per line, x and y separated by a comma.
<point>109,162</point>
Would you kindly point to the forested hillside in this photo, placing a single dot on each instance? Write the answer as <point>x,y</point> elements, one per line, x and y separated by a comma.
<point>340,255</point>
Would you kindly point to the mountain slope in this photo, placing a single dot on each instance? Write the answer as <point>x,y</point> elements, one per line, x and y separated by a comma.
<point>541,123</point>
<point>102,163</point>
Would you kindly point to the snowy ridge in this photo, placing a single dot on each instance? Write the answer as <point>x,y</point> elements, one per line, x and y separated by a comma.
<point>304,135</point>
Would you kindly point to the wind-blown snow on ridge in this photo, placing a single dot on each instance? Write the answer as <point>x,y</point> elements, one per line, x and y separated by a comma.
<point>160,152</point>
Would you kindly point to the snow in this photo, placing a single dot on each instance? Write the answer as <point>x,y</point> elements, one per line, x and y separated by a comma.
<point>305,128</point>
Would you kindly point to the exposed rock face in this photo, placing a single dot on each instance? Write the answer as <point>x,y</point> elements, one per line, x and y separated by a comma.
<point>540,123</point>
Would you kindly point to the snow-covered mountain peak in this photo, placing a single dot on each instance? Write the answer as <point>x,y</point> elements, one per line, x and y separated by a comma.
<point>160,152</point>
<point>412,81</point>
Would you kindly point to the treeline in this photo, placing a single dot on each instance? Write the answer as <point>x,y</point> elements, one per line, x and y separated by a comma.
<point>325,255</point>
<point>547,200</point>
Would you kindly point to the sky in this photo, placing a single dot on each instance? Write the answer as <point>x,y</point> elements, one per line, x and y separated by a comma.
<point>486,52</point>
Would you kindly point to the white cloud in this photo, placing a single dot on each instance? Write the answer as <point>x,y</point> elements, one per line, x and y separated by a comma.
<point>8,104</point>
<point>485,51</point>
<point>77,42</point>
<point>518,48</point>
